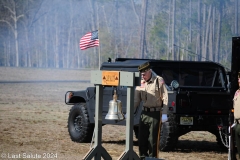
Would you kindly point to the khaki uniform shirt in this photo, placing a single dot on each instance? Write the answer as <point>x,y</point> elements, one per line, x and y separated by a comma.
<point>236,104</point>
<point>151,93</point>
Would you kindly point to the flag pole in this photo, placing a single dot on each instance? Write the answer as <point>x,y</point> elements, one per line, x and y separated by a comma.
<point>99,55</point>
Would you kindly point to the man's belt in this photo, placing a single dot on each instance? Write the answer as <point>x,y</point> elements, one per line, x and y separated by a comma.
<point>152,109</point>
<point>238,121</point>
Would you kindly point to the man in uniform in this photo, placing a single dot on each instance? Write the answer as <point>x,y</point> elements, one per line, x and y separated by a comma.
<point>153,94</point>
<point>236,106</point>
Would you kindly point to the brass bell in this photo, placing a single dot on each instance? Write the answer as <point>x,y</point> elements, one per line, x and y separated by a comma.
<point>115,109</point>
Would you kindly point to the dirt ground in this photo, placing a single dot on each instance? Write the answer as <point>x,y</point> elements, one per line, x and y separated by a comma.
<point>33,121</point>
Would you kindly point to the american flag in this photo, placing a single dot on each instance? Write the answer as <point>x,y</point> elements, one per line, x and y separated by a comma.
<point>89,40</point>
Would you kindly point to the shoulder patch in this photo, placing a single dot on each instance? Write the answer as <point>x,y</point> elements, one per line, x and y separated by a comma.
<point>160,80</point>
<point>237,93</point>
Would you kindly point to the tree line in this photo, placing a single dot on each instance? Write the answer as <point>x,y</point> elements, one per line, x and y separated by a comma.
<point>41,33</point>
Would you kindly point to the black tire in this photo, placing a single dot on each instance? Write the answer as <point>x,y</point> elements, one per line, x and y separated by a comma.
<point>79,127</point>
<point>169,135</point>
<point>219,140</point>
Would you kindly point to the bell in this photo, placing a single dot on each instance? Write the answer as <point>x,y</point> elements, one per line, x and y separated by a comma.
<point>115,109</point>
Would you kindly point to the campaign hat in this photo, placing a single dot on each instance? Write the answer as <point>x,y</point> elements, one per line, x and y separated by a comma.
<point>144,67</point>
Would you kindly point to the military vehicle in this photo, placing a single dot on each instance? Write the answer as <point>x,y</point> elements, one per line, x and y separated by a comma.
<point>198,100</point>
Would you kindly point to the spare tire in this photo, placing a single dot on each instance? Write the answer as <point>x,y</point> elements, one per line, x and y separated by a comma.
<point>169,135</point>
<point>79,127</point>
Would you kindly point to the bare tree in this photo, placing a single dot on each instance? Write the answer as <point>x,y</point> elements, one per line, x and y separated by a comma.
<point>168,31</point>
<point>93,25</point>
<point>45,42</point>
<point>206,39</point>
<point>69,32</point>
<point>211,38</point>
<point>236,17</point>
<point>173,29</point>
<point>143,28</point>
<point>190,20</point>
<point>10,5</point>
<point>199,36</point>
<point>218,33</point>
<point>116,31</point>
<point>46,33</point>
<point>135,12</point>
<point>203,32</point>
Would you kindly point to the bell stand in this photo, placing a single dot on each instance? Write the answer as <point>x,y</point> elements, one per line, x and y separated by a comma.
<point>129,79</point>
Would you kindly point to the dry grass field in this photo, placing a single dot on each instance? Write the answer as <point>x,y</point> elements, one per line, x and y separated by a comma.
<point>33,121</point>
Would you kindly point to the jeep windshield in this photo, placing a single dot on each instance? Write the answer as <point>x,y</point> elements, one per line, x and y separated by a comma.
<point>192,74</point>
<point>192,77</point>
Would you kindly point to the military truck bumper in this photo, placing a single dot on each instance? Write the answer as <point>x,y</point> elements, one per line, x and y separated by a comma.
<point>201,122</point>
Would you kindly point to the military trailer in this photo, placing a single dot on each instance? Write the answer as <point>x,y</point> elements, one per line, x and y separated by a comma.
<point>198,100</point>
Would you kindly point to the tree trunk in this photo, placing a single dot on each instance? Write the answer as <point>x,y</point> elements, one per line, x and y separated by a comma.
<point>173,29</point>
<point>199,37</point>
<point>14,27</point>
<point>116,31</point>
<point>236,17</point>
<point>93,11</point>
<point>143,27</point>
<point>5,53</point>
<point>210,48</point>
<point>15,34</point>
<point>203,29</point>
<point>99,56</point>
<point>28,53</point>
<point>34,60</point>
<point>217,50</point>
<point>135,12</point>
<point>206,55</point>
<point>9,51</point>
<point>26,48</point>
<point>41,41</point>
<point>168,35</point>
<point>105,18</point>
<point>190,21</point>
<point>69,32</point>
<point>45,42</point>
<point>57,49</point>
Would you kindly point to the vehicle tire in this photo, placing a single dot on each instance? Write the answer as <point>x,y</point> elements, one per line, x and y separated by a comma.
<point>79,127</point>
<point>219,141</point>
<point>218,138</point>
<point>169,135</point>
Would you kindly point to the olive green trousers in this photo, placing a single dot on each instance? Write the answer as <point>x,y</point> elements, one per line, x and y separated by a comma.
<point>148,134</point>
<point>237,138</point>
